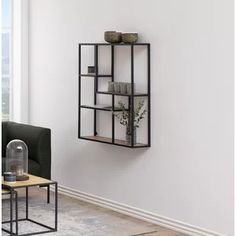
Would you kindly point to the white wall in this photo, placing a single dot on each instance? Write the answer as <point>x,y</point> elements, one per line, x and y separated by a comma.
<point>187,174</point>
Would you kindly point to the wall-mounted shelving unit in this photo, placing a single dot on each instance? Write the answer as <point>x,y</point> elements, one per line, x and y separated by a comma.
<point>131,97</point>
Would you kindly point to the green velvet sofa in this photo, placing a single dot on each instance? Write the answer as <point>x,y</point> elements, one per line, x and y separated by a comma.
<point>38,141</point>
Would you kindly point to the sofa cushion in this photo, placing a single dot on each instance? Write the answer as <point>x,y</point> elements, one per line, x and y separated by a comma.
<point>33,167</point>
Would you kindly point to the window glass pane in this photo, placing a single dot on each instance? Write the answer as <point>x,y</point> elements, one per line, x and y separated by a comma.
<point>6,66</point>
<point>6,13</point>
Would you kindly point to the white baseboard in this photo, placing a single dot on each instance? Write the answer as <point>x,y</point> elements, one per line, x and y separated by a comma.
<point>138,213</point>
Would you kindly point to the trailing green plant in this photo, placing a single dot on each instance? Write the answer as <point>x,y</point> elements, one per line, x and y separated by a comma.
<point>126,116</point>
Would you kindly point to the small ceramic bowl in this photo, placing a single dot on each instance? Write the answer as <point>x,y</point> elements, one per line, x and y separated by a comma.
<point>9,177</point>
<point>129,37</point>
<point>112,36</point>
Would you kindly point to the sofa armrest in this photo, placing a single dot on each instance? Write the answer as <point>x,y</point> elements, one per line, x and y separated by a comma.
<point>38,140</point>
<point>43,155</point>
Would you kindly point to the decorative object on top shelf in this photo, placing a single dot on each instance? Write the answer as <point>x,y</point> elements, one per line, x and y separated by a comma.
<point>112,37</point>
<point>17,159</point>
<point>126,118</point>
<point>91,69</point>
<point>129,37</point>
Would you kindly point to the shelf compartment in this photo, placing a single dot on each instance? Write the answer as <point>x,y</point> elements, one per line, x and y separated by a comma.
<point>94,75</point>
<point>101,107</point>
<point>118,142</point>
<point>120,94</point>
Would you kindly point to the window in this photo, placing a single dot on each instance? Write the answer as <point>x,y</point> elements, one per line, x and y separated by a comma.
<point>6,57</point>
<point>15,60</point>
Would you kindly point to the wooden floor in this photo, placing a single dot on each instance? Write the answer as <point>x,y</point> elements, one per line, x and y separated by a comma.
<point>78,218</point>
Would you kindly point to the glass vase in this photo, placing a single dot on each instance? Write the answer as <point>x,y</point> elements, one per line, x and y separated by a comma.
<point>129,135</point>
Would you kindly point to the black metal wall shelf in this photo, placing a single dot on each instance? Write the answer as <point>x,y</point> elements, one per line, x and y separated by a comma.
<point>96,107</point>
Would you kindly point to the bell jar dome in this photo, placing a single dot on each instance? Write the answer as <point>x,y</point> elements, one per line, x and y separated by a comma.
<point>17,159</point>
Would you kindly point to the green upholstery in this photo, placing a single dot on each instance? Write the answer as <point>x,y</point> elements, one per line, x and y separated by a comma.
<point>38,141</point>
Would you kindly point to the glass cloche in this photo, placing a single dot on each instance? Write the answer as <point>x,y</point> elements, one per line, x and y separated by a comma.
<point>17,159</point>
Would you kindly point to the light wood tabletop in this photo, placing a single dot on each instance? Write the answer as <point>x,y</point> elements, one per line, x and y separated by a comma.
<point>32,181</point>
<point>5,191</point>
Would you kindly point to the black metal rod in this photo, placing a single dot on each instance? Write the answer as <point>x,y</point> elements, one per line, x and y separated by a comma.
<point>129,103</point>
<point>16,206</point>
<point>7,231</point>
<point>113,97</point>
<point>95,88</point>
<point>41,232</point>
<point>79,90</point>
<point>43,225</point>
<point>56,205</point>
<point>149,94</point>
<point>11,212</point>
<point>132,96</point>
<point>8,221</point>
<point>48,194</point>
<point>35,233</point>
<point>114,44</point>
<point>26,202</point>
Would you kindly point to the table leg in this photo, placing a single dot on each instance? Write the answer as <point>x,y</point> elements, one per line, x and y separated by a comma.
<point>56,206</point>
<point>11,212</point>
<point>27,202</point>
<point>48,194</point>
<point>16,205</point>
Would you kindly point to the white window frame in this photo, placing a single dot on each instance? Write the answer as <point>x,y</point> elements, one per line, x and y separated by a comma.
<point>19,94</point>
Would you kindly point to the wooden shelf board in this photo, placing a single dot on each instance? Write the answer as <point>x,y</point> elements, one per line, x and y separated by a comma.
<point>94,75</point>
<point>109,140</point>
<point>114,44</point>
<point>120,94</point>
<point>100,107</point>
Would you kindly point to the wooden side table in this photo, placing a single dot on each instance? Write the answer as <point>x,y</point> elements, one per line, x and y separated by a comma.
<point>32,182</point>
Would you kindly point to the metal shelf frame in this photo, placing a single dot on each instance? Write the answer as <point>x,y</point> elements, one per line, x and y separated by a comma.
<point>131,96</point>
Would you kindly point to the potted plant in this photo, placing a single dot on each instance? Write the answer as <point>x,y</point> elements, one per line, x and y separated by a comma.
<point>126,117</point>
